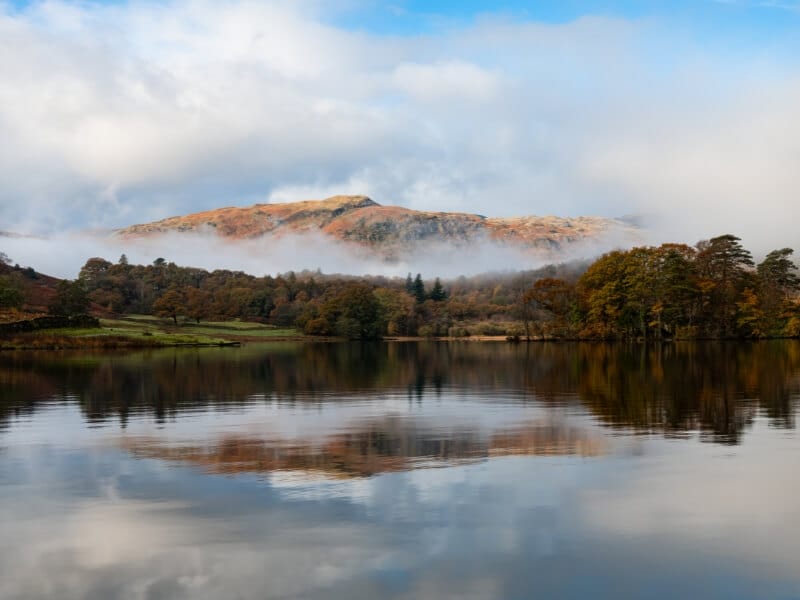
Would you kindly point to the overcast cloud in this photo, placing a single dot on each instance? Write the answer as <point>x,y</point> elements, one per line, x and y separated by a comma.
<point>124,113</point>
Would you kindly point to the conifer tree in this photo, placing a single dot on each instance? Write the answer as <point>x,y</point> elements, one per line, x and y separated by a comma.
<point>419,289</point>
<point>437,293</point>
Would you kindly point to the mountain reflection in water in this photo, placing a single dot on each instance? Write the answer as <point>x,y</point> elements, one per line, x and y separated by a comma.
<point>378,447</point>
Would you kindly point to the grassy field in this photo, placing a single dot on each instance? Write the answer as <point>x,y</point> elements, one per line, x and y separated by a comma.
<point>145,330</point>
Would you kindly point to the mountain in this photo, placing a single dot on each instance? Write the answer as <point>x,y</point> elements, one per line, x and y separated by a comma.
<point>392,231</point>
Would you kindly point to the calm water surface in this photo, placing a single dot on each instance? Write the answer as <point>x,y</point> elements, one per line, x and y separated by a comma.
<point>462,470</point>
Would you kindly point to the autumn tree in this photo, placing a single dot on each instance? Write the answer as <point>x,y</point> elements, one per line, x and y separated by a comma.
<point>547,301</point>
<point>197,303</point>
<point>602,295</point>
<point>94,271</point>
<point>170,304</point>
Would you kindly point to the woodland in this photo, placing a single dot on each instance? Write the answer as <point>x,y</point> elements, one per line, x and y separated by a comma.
<point>711,290</point>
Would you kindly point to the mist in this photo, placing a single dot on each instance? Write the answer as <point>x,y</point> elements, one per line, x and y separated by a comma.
<point>64,255</point>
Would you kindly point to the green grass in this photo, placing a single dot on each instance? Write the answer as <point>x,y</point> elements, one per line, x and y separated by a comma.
<point>146,330</point>
<point>235,329</point>
<point>187,332</point>
<point>145,335</point>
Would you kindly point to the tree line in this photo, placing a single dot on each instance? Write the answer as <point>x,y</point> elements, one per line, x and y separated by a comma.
<point>711,290</point>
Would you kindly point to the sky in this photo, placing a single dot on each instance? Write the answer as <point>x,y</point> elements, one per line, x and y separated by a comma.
<point>683,112</point>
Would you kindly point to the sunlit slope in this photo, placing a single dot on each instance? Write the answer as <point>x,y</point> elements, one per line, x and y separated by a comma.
<point>391,230</point>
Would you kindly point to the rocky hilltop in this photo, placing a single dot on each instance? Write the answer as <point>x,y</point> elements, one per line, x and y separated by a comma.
<point>390,230</point>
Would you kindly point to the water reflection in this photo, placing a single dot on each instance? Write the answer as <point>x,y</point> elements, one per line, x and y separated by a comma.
<point>716,388</point>
<point>384,446</point>
<point>402,471</point>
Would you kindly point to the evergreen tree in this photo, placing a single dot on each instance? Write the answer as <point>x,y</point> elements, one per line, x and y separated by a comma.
<point>437,293</point>
<point>409,284</point>
<point>777,271</point>
<point>722,266</point>
<point>419,289</point>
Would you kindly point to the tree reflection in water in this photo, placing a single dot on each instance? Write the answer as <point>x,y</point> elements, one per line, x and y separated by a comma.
<point>716,388</point>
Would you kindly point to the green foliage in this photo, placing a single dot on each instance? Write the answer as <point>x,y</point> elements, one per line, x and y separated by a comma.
<point>355,313</point>
<point>722,264</point>
<point>409,285</point>
<point>779,272</point>
<point>418,289</point>
<point>437,292</point>
<point>71,299</point>
<point>11,295</point>
<point>777,284</point>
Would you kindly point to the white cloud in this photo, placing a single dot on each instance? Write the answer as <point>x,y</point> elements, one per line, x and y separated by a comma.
<point>124,113</point>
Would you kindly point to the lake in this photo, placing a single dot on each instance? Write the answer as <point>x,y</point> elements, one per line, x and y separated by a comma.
<point>402,470</point>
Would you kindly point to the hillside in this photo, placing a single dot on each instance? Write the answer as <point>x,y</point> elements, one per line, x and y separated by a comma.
<point>38,291</point>
<point>390,230</point>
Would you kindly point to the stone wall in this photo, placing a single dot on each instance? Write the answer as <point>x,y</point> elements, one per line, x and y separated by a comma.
<point>81,321</point>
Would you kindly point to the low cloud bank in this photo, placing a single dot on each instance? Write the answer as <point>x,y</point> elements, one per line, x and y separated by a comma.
<point>63,255</point>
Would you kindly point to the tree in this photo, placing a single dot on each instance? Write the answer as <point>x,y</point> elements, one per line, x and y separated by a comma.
<point>778,272</point>
<point>11,295</point>
<point>550,299</point>
<point>170,304</point>
<point>354,312</point>
<point>777,282</point>
<point>70,300</point>
<point>409,284</point>
<point>123,260</point>
<point>94,271</point>
<point>198,303</point>
<point>750,316</point>
<point>677,291</point>
<point>419,289</point>
<point>397,310</point>
<point>111,300</point>
<point>4,259</point>
<point>602,295</point>
<point>437,293</point>
<point>722,265</point>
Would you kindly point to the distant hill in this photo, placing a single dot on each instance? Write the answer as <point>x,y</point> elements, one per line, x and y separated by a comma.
<point>392,231</point>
